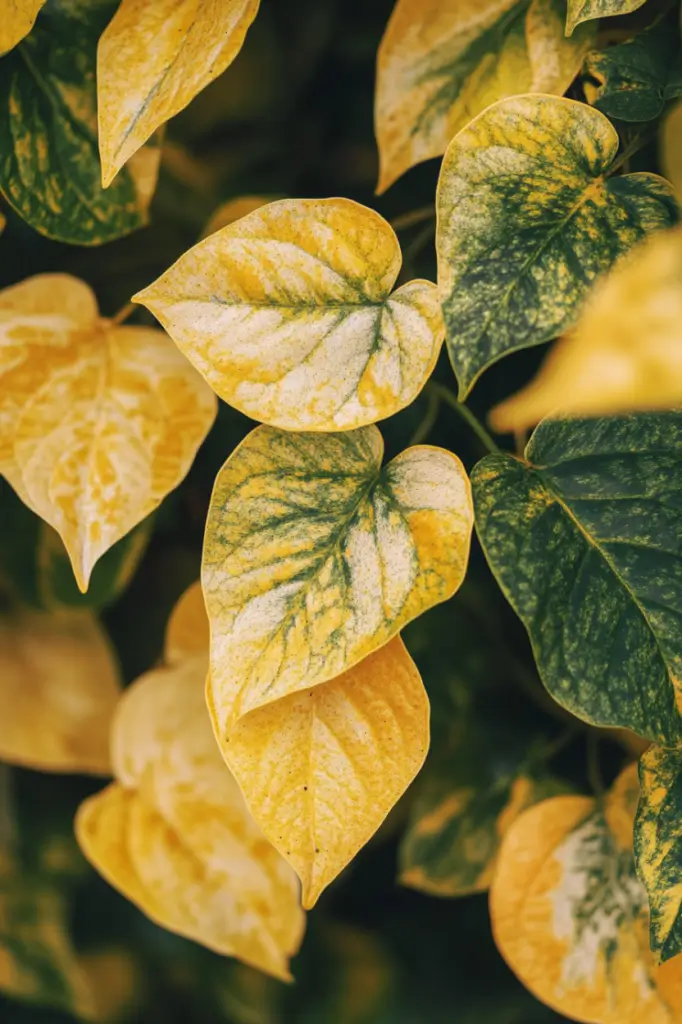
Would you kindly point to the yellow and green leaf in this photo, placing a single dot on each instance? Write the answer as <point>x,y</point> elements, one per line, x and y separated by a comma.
<point>588,10</point>
<point>321,769</point>
<point>233,210</point>
<point>153,59</point>
<point>49,162</point>
<point>173,833</point>
<point>289,315</point>
<point>98,422</point>
<point>59,684</point>
<point>570,917</point>
<point>315,556</point>
<point>634,80</point>
<point>625,352</point>
<point>584,537</point>
<point>658,842</point>
<point>17,18</point>
<point>441,63</point>
<point>528,219</point>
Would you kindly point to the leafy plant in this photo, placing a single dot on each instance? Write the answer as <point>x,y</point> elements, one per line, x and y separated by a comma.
<point>425,648</point>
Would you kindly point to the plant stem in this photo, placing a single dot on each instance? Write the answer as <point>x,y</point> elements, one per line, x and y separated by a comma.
<point>429,419</point>
<point>123,314</point>
<point>467,415</point>
<point>408,220</point>
<point>557,745</point>
<point>640,140</point>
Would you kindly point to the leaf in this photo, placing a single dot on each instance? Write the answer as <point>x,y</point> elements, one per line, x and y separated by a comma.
<point>635,79</point>
<point>527,220</point>
<point>624,354</point>
<point>570,916</point>
<point>289,315</point>
<point>59,682</point>
<point>38,964</point>
<point>99,422</point>
<point>49,163</point>
<point>233,210</point>
<point>588,10</point>
<point>153,59</point>
<point>466,802</point>
<point>584,539</point>
<point>321,769</point>
<point>657,846</point>
<point>314,557</point>
<point>173,833</point>
<point>671,149</point>
<point>188,630</point>
<point>17,20</point>
<point>441,63</point>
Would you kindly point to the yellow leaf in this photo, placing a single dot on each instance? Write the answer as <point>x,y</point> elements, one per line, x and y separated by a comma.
<point>59,684</point>
<point>17,18</point>
<point>570,915</point>
<point>624,354</point>
<point>441,62</point>
<point>173,833</point>
<point>234,209</point>
<point>152,60</point>
<point>322,768</point>
<point>97,422</point>
<point>289,315</point>
<point>671,155</point>
<point>314,557</point>
<point>187,632</point>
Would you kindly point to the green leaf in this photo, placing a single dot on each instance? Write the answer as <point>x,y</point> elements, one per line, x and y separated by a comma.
<point>49,160</point>
<point>527,220</point>
<point>635,79</point>
<point>658,846</point>
<point>587,10</point>
<point>585,539</point>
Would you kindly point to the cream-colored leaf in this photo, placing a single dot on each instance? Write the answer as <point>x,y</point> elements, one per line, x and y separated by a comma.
<point>187,632</point>
<point>17,18</point>
<point>625,353</point>
<point>152,60</point>
<point>289,315</point>
<point>97,422</point>
<point>441,62</point>
<point>570,915</point>
<point>59,684</point>
<point>315,556</point>
<point>671,152</point>
<point>233,210</point>
<point>322,768</point>
<point>175,836</point>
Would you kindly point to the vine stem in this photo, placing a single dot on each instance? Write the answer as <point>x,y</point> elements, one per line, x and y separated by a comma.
<point>408,220</point>
<point>123,314</point>
<point>429,419</point>
<point>466,414</point>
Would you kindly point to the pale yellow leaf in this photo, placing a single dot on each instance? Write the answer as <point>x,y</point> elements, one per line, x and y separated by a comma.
<point>17,18</point>
<point>187,632</point>
<point>97,422</point>
<point>570,915</point>
<point>315,556</point>
<point>671,153</point>
<point>624,354</point>
<point>441,62</point>
<point>175,836</point>
<point>322,768</point>
<point>289,315</point>
<point>234,209</point>
<point>59,684</point>
<point>153,58</point>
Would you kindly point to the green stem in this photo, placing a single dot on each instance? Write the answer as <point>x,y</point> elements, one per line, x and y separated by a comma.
<point>467,415</point>
<point>408,220</point>
<point>429,419</point>
<point>640,140</point>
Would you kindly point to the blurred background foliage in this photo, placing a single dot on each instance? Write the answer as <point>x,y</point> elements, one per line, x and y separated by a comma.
<point>291,117</point>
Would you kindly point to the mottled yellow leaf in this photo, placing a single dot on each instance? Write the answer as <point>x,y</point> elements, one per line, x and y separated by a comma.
<point>624,354</point>
<point>289,315</point>
<point>587,10</point>
<point>17,18</point>
<point>322,768</point>
<point>153,58</point>
<point>187,632</point>
<point>97,422</point>
<point>234,209</point>
<point>441,62</point>
<point>570,915</point>
<point>315,556</point>
<point>59,684</point>
<point>173,833</point>
<point>671,154</point>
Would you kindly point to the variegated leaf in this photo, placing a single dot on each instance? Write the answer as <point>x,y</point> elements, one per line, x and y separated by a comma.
<point>289,315</point>
<point>671,148</point>
<point>588,10</point>
<point>97,422</point>
<point>17,18</point>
